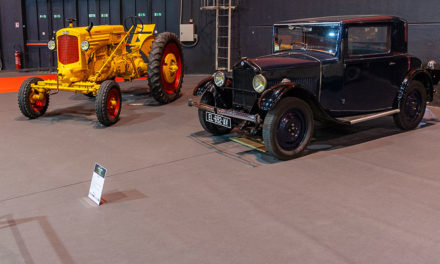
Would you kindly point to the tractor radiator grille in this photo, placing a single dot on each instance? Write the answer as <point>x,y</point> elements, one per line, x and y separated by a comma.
<point>68,49</point>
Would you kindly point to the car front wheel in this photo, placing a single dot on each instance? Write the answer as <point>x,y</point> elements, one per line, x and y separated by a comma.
<point>287,128</point>
<point>208,98</point>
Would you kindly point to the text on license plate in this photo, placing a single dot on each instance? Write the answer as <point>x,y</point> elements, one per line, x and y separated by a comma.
<point>218,119</point>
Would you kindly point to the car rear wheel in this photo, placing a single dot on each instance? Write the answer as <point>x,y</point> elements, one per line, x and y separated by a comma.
<point>108,103</point>
<point>32,103</point>
<point>287,128</point>
<point>208,98</point>
<point>412,106</point>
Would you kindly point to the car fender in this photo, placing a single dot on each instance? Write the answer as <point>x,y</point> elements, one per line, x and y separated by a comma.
<point>269,98</point>
<point>418,75</point>
<point>203,86</point>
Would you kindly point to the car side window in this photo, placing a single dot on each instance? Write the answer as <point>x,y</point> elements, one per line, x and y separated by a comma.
<point>364,40</point>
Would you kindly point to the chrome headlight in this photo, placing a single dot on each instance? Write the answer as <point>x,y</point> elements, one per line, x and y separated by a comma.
<point>431,64</point>
<point>85,45</point>
<point>51,45</point>
<point>259,83</point>
<point>219,78</point>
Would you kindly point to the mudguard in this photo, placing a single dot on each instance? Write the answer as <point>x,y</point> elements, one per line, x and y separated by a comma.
<point>272,96</point>
<point>423,76</point>
<point>435,75</point>
<point>203,85</point>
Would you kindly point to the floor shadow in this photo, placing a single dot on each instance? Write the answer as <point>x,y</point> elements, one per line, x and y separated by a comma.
<point>222,145</point>
<point>50,233</point>
<point>122,196</point>
<point>326,137</point>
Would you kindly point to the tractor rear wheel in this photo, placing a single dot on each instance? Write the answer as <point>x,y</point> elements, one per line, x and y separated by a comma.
<point>32,103</point>
<point>108,103</point>
<point>165,68</point>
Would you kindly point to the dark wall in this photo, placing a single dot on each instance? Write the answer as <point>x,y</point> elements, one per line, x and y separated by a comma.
<point>252,23</point>
<point>199,59</point>
<point>11,37</point>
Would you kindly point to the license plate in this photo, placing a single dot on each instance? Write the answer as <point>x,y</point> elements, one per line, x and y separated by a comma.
<point>220,120</point>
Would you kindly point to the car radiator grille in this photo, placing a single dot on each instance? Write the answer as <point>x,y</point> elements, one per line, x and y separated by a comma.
<point>68,49</point>
<point>243,94</point>
<point>243,79</point>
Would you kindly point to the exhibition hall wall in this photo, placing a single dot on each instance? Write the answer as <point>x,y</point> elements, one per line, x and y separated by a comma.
<point>251,34</point>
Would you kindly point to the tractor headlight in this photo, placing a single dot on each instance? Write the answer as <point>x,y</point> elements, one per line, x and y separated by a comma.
<point>259,83</point>
<point>219,78</point>
<point>85,45</point>
<point>51,45</point>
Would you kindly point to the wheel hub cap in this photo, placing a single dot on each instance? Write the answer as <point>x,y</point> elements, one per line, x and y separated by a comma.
<point>291,129</point>
<point>37,100</point>
<point>170,68</point>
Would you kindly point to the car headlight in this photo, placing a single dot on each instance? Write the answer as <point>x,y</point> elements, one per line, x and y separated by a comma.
<point>219,78</point>
<point>431,64</point>
<point>51,45</point>
<point>85,45</point>
<point>259,83</point>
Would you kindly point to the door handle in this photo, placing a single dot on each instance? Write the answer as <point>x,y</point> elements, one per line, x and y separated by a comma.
<point>392,63</point>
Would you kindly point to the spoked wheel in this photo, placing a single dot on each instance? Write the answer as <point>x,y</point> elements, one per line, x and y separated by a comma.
<point>412,106</point>
<point>287,128</point>
<point>108,103</point>
<point>165,68</point>
<point>208,98</point>
<point>32,103</point>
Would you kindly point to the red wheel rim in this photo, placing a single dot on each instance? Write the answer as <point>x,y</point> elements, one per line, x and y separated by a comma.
<point>37,105</point>
<point>113,103</point>
<point>171,48</point>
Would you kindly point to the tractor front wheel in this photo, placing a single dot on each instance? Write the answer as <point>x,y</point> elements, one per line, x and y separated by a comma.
<point>108,103</point>
<point>32,103</point>
<point>165,68</point>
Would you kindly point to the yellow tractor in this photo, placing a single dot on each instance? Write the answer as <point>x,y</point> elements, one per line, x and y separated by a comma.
<point>90,58</point>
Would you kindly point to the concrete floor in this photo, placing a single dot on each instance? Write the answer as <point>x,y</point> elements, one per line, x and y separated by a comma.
<point>174,194</point>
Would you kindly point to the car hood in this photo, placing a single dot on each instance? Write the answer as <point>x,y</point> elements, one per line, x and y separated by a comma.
<point>286,60</point>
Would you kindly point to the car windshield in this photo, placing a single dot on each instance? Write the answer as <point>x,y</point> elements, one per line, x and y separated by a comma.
<point>323,38</point>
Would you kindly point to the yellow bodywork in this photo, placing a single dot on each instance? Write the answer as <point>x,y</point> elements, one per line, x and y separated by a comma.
<point>106,58</point>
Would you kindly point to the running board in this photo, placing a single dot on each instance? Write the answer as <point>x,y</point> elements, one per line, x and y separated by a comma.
<point>250,142</point>
<point>351,120</point>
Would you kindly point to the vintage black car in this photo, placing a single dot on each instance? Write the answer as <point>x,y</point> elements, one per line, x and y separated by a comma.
<point>346,70</point>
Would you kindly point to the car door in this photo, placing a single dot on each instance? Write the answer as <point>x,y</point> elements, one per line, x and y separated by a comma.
<point>369,69</point>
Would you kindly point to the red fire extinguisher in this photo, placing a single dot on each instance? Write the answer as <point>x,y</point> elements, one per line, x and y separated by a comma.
<point>17,59</point>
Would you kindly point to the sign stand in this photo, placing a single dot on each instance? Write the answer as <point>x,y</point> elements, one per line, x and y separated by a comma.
<point>97,184</point>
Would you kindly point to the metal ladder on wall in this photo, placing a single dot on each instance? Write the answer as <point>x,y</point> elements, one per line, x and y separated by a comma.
<point>223,18</point>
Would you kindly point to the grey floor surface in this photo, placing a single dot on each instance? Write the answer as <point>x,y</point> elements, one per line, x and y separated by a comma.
<point>174,194</point>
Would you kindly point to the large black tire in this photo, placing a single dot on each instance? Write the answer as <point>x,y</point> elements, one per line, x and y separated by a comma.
<point>29,107</point>
<point>287,128</point>
<point>208,98</point>
<point>108,103</point>
<point>412,106</point>
<point>165,68</point>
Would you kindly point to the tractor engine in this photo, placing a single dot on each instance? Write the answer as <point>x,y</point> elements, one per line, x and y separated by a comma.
<point>83,53</point>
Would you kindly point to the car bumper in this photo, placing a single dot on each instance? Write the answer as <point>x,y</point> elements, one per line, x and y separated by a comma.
<point>226,112</point>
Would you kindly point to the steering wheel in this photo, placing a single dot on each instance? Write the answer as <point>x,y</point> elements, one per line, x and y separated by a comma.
<point>71,20</point>
<point>132,21</point>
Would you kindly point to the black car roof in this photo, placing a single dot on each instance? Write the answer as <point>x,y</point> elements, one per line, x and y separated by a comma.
<point>345,19</point>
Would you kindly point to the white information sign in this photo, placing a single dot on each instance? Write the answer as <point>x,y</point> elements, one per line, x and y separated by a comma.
<point>97,184</point>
